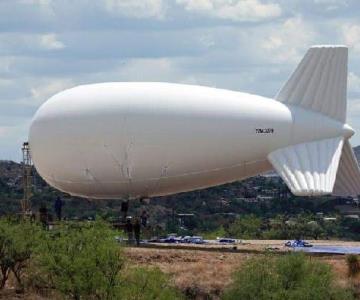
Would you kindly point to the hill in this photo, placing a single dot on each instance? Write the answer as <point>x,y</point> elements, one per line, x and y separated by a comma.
<point>357,152</point>
<point>264,196</point>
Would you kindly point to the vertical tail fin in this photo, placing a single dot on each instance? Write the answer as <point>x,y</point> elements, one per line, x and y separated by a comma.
<point>319,82</point>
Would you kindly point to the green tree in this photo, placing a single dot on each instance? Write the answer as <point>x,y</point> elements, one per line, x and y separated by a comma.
<point>18,240</point>
<point>211,235</point>
<point>246,227</point>
<point>277,229</point>
<point>24,236</point>
<point>5,242</point>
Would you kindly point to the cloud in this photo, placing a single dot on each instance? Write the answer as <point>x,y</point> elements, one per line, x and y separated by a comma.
<point>12,137</point>
<point>45,6</point>
<point>332,4</point>
<point>50,42</point>
<point>351,36</point>
<point>354,108</point>
<point>20,44</point>
<point>287,42</point>
<point>137,8</point>
<point>249,45</point>
<point>5,82</point>
<point>353,118</point>
<point>353,82</point>
<point>239,10</point>
<point>5,131</point>
<point>48,88</point>
<point>145,69</point>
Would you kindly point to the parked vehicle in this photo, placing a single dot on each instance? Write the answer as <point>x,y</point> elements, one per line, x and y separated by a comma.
<point>297,243</point>
<point>197,240</point>
<point>173,239</point>
<point>226,241</point>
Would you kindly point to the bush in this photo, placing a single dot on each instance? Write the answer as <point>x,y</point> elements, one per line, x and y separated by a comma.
<point>17,243</point>
<point>146,284</point>
<point>292,276</point>
<point>5,241</point>
<point>246,227</point>
<point>79,261</point>
<point>212,235</point>
<point>353,264</point>
<point>82,261</point>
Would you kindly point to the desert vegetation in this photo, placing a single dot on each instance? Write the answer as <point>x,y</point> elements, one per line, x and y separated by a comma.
<point>257,208</point>
<point>292,276</point>
<point>231,275</point>
<point>82,260</point>
<point>74,261</point>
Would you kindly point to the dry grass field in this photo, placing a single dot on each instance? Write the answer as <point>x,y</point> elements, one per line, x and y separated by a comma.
<point>194,272</point>
<point>204,273</point>
<point>200,274</point>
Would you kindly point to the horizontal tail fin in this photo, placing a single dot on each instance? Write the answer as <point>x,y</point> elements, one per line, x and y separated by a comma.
<point>319,82</point>
<point>309,169</point>
<point>348,177</point>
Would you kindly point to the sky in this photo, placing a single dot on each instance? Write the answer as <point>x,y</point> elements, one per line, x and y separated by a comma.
<point>47,46</point>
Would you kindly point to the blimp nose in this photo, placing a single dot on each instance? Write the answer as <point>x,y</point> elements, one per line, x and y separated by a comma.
<point>348,132</point>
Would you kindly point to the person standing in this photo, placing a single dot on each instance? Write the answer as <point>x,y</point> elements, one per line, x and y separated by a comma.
<point>129,230</point>
<point>124,209</point>
<point>144,218</point>
<point>137,232</point>
<point>58,207</point>
<point>43,216</point>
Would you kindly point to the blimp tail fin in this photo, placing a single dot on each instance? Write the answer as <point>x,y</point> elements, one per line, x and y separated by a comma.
<point>348,176</point>
<point>319,82</point>
<point>309,169</point>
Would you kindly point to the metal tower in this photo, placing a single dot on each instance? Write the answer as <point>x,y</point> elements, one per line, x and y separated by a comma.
<point>27,179</point>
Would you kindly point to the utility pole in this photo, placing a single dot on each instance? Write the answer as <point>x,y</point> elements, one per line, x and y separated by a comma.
<point>27,179</point>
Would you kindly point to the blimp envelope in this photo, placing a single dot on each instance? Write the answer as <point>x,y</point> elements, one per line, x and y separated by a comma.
<point>145,139</point>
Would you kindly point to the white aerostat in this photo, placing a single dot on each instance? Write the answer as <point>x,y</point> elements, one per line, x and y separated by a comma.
<point>144,139</point>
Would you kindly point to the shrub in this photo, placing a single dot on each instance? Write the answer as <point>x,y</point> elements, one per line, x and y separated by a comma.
<point>18,240</point>
<point>246,227</point>
<point>5,241</point>
<point>82,261</point>
<point>146,284</point>
<point>292,276</point>
<point>353,264</point>
<point>212,235</point>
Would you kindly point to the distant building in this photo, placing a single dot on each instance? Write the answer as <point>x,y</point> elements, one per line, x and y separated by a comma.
<point>355,217</point>
<point>329,219</point>
<point>348,209</point>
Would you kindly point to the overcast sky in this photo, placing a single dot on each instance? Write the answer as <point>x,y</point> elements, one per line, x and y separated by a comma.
<point>246,45</point>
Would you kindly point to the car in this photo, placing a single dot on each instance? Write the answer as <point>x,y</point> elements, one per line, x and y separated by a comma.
<point>297,243</point>
<point>226,241</point>
<point>196,240</point>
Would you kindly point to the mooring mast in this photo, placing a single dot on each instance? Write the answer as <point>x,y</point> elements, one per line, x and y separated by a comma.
<point>27,179</point>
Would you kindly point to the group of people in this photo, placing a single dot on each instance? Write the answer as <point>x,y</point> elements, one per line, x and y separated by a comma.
<point>134,229</point>
<point>44,215</point>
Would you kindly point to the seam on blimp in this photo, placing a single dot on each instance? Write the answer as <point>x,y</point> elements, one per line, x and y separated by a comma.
<point>166,177</point>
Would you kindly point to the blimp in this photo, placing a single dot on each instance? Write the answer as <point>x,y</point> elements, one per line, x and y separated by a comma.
<point>144,139</point>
